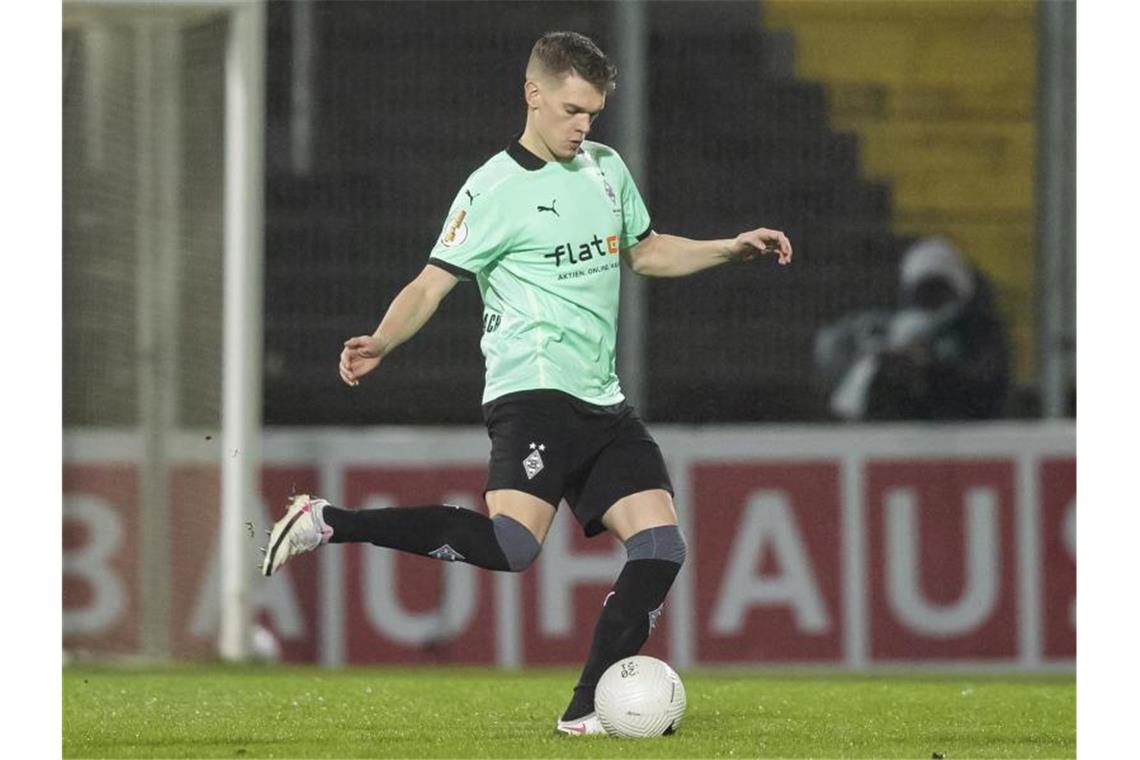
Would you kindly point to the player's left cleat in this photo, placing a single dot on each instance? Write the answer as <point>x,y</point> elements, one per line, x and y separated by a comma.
<point>587,724</point>
<point>300,530</point>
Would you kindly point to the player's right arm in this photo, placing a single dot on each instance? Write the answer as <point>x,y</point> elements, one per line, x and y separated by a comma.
<point>408,312</point>
<point>477,232</point>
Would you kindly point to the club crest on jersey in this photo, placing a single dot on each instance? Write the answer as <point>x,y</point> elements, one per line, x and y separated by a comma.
<point>533,463</point>
<point>609,191</point>
<point>455,232</point>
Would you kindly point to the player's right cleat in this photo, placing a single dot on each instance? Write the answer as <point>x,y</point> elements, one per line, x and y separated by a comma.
<point>587,724</point>
<point>300,530</point>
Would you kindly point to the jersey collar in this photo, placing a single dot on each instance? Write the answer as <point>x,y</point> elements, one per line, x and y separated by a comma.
<point>524,157</point>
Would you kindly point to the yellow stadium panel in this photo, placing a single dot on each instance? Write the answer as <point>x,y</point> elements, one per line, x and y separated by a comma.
<point>853,104</point>
<point>777,12</point>
<point>954,194</point>
<point>838,53</point>
<point>941,95</point>
<point>969,149</point>
<point>970,56</point>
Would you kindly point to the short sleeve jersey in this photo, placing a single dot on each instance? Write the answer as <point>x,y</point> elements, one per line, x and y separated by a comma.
<point>542,241</point>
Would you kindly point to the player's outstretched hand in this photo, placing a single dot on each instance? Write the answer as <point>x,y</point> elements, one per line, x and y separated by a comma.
<point>762,241</point>
<point>360,356</point>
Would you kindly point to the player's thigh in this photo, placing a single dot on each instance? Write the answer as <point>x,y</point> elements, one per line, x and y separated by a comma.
<point>532,512</point>
<point>640,511</point>
<point>527,472</point>
<point>627,482</point>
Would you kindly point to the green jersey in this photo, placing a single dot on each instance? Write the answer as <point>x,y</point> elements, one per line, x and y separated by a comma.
<point>542,240</point>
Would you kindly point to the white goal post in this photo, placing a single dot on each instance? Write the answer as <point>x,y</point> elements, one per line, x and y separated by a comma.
<point>242,308</point>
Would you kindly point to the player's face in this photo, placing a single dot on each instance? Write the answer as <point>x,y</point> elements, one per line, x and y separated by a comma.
<point>565,110</point>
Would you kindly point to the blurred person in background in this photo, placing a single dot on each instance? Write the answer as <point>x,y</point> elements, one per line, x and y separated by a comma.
<point>943,355</point>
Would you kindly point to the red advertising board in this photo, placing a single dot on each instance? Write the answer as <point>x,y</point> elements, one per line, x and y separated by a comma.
<point>942,559</point>
<point>101,575</point>
<point>768,574</point>
<point>563,595</point>
<point>1058,489</point>
<point>402,608</point>
<point>100,557</point>
<point>285,604</point>
<point>834,553</point>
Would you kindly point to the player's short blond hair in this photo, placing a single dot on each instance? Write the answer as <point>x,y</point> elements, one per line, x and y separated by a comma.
<point>561,53</point>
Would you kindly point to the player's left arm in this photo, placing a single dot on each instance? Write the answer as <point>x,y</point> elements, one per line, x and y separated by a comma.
<point>674,256</point>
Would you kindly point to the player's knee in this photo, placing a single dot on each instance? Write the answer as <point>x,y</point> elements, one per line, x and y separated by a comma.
<point>664,542</point>
<point>518,544</point>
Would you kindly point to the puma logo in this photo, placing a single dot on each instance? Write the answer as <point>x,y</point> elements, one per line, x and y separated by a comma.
<point>550,208</point>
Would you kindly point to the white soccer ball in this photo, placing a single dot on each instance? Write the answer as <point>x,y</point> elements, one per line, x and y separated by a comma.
<point>640,696</point>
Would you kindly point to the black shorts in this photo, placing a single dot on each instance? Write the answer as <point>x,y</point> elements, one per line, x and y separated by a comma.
<point>552,445</point>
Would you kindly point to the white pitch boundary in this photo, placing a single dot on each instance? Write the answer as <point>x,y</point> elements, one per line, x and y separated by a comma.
<point>330,578</point>
<point>508,620</point>
<point>963,668</point>
<point>854,553</point>
<point>1028,522</point>
<point>681,444</point>
<point>681,608</point>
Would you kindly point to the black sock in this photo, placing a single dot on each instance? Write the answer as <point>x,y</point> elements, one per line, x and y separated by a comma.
<point>438,531</point>
<point>623,626</point>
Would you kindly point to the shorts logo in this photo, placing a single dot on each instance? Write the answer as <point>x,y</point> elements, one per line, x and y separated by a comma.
<point>456,230</point>
<point>533,464</point>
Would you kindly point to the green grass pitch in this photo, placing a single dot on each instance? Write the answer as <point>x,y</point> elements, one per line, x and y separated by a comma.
<point>248,712</point>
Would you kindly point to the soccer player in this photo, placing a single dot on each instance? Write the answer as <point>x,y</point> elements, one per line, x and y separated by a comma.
<point>542,228</point>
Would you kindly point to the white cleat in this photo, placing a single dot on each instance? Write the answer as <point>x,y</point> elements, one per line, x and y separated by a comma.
<point>586,725</point>
<point>300,530</point>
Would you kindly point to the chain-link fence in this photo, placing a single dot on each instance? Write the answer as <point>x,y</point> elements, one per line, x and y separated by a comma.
<point>376,112</point>
<point>143,165</point>
<point>379,111</point>
<point>142,195</point>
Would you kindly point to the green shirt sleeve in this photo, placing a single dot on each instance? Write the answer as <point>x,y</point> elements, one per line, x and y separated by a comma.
<point>474,236</point>
<point>636,224</point>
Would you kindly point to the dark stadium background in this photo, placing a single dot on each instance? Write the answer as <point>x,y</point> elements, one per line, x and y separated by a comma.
<point>409,98</point>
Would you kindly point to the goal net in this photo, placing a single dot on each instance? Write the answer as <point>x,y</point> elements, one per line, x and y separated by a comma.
<point>146,218</point>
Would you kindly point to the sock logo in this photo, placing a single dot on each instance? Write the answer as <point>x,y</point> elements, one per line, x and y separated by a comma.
<point>445,553</point>
<point>533,463</point>
<point>653,615</point>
